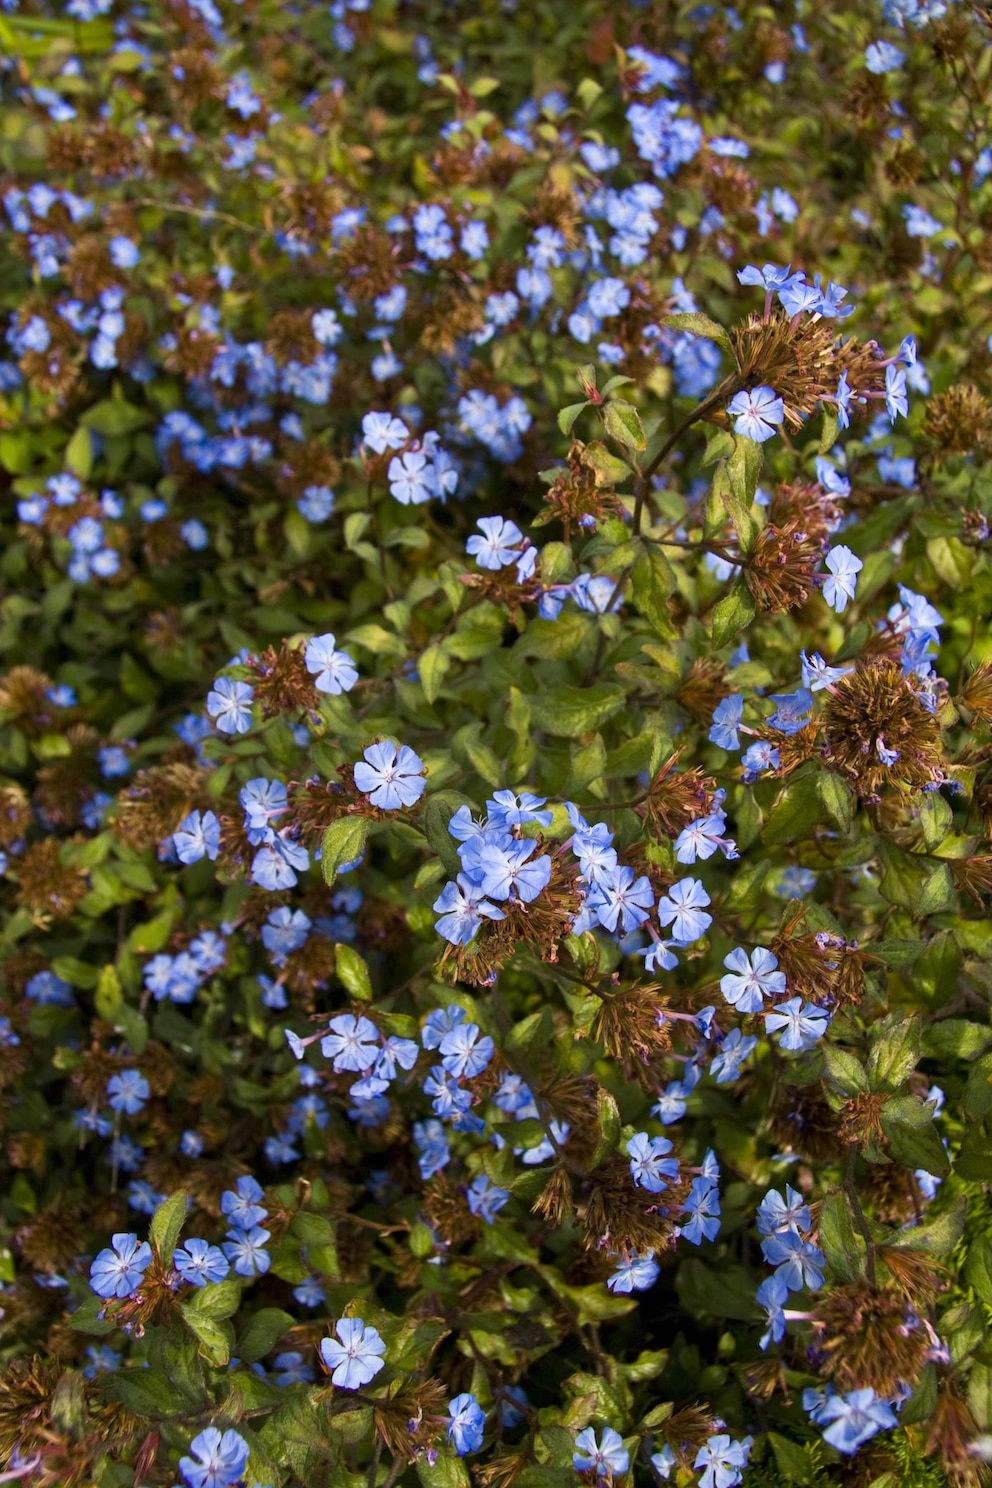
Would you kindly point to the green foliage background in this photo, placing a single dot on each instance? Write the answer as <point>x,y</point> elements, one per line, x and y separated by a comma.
<point>588,707</point>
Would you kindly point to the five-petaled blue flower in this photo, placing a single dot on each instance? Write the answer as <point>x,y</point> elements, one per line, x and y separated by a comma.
<point>117,1272</point>
<point>198,1262</point>
<point>333,671</point>
<point>498,547</point>
<point>220,1459</point>
<point>844,568</point>
<point>229,705</point>
<point>355,1356</point>
<point>390,775</point>
<point>756,412</point>
<point>604,1456</point>
<point>127,1092</point>
<point>197,836</point>
<point>467,1424</point>
<point>649,1167</point>
<point>752,979</point>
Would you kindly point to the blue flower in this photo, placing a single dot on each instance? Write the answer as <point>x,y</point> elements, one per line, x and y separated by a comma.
<point>635,1273</point>
<point>392,776</point>
<point>756,412</point>
<point>496,549</point>
<point>683,908</point>
<point>604,1457</point>
<point>352,1043</point>
<point>241,1203</point>
<point>776,1215</point>
<point>844,567</point>
<point>462,907</point>
<point>199,1263</point>
<point>854,1418</point>
<point>896,401</point>
<point>229,705</point>
<point>357,1357</point>
<point>245,1249</point>
<point>725,1066</point>
<point>220,1459</point>
<point>467,1424</point>
<point>797,1261</point>
<point>466,1051</point>
<point>755,978</point>
<point>118,1272</point>
<point>772,1295</point>
<point>382,432</point>
<point>127,1092</point>
<point>411,478</point>
<point>726,722</point>
<point>197,836</point>
<point>800,1024</point>
<point>791,711</point>
<point>485,1199</point>
<point>758,757</point>
<point>703,1207</point>
<point>333,671</point>
<point>649,1167</point>
<point>619,901</point>
<point>723,1461</point>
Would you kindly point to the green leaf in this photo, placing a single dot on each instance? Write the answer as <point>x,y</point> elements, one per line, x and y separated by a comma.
<point>743,469</point>
<point>698,324</point>
<point>567,416</point>
<point>78,456</point>
<point>841,1242</point>
<point>623,423</point>
<point>432,668</point>
<point>608,1117</point>
<point>438,811</point>
<point>793,1462</point>
<point>608,469</point>
<point>114,418</point>
<point>796,814</point>
<point>838,799</point>
<point>263,1332</point>
<point>895,1051</point>
<point>724,1292</point>
<point>731,614</point>
<point>956,1038</point>
<point>936,1237</point>
<point>167,1221</point>
<point>570,711</point>
<point>109,996</point>
<point>85,1319</point>
<point>343,843</point>
<point>913,1138</point>
<point>216,1339</point>
<point>216,1300</point>
<point>844,1070</point>
<point>653,580</point>
<point>353,972</point>
<point>448,1471</point>
<point>978,1267</point>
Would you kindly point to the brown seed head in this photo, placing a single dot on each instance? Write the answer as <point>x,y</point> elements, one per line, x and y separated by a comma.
<point>875,708</point>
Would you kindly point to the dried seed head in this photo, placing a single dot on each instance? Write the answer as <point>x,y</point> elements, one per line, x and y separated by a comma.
<point>868,1337</point>
<point>960,421</point>
<point>872,709</point>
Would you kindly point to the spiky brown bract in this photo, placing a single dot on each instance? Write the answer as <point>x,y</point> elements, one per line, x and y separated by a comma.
<point>867,1336</point>
<point>873,708</point>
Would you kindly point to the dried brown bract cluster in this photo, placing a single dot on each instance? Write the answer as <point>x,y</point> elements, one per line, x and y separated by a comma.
<point>960,421</point>
<point>802,359</point>
<point>632,1027</point>
<point>874,711</point>
<point>152,807</point>
<point>868,1336</point>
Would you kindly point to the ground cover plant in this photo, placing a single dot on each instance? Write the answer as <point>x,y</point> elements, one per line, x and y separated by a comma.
<point>495,744</point>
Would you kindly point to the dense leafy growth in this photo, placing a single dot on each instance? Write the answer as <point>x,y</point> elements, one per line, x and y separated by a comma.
<point>495,743</point>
